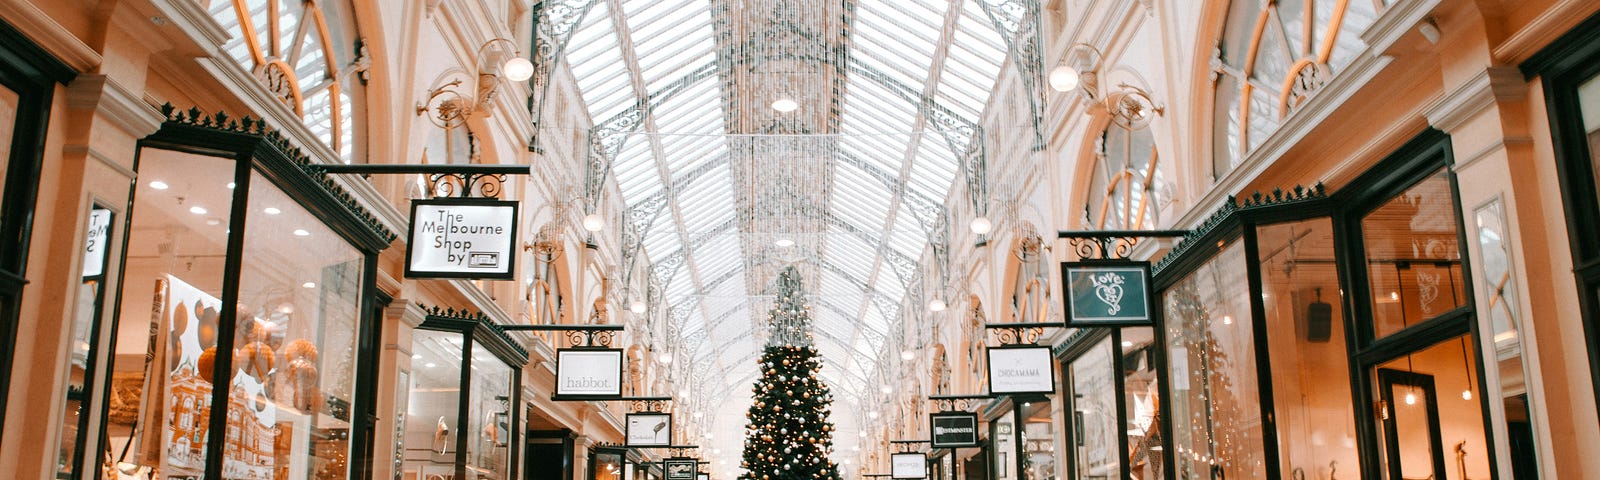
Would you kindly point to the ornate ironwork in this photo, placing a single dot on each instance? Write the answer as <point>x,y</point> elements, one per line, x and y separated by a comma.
<point>467,185</point>
<point>958,403</point>
<point>480,318</point>
<point>598,336</point>
<point>1019,20</point>
<point>1231,206</point>
<point>647,404</point>
<point>1019,333</point>
<point>907,446</point>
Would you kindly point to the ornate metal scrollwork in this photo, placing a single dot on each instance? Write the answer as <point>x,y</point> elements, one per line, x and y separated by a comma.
<point>447,185</point>
<point>1103,248</point>
<point>1021,334</point>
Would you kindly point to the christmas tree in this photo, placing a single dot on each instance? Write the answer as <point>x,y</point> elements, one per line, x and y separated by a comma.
<point>789,436</point>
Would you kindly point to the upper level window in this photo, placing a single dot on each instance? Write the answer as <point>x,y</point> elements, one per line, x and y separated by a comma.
<point>1127,190</point>
<point>301,51</point>
<point>1274,55</point>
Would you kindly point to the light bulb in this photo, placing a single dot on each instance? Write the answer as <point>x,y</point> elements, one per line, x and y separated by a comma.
<point>159,185</point>
<point>301,232</point>
<point>872,415</point>
<point>592,222</point>
<point>1411,398</point>
<point>1394,295</point>
<point>1227,319</point>
<point>1466,394</point>
<point>518,69</point>
<point>907,355</point>
<point>271,211</point>
<point>981,225</point>
<point>197,210</point>
<point>784,243</point>
<point>885,389</point>
<point>785,104</point>
<point>936,305</point>
<point>1063,78</point>
<point>637,307</point>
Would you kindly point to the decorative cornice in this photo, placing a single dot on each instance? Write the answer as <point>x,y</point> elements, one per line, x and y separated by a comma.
<point>482,319</point>
<point>1229,208</point>
<point>195,22</point>
<point>407,312</point>
<point>248,125</point>
<point>111,101</point>
<point>1495,84</point>
<point>1395,22</point>
<point>54,38</point>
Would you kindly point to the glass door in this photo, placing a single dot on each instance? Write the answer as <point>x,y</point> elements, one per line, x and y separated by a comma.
<point>1411,424</point>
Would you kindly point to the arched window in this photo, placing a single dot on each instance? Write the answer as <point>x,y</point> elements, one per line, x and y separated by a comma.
<point>301,51</point>
<point>1273,55</point>
<point>1126,190</point>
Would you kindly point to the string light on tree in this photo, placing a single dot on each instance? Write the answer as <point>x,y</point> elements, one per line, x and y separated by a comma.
<point>789,434</point>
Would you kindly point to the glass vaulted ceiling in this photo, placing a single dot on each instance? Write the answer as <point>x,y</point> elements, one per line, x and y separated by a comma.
<point>856,177</point>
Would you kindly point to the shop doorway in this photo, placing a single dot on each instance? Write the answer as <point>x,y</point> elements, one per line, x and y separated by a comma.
<point>1411,425</point>
<point>548,456</point>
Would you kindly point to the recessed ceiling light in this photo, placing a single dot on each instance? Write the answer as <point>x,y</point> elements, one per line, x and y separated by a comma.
<point>213,222</point>
<point>309,285</point>
<point>271,210</point>
<point>784,243</point>
<point>197,210</point>
<point>1126,344</point>
<point>301,232</point>
<point>159,185</point>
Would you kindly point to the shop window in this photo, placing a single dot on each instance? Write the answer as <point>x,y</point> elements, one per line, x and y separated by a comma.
<point>1503,319</point>
<point>1310,362</point>
<point>1038,434</point>
<point>1141,402</point>
<point>1002,436</point>
<point>1273,56</point>
<point>1095,454</point>
<point>1413,256</point>
<point>1429,414</point>
<point>606,465</point>
<point>459,422</point>
<point>1216,411</point>
<point>1127,190</point>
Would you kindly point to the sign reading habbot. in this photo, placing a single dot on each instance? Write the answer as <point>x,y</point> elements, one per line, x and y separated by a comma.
<point>588,374</point>
<point>462,238</point>
<point>1107,293</point>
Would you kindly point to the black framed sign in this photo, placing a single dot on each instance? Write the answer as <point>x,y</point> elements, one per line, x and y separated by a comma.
<point>588,374</point>
<point>1016,369</point>
<point>953,429</point>
<point>649,429</point>
<point>1107,293</point>
<point>702,476</point>
<point>462,238</point>
<point>908,466</point>
<point>681,468</point>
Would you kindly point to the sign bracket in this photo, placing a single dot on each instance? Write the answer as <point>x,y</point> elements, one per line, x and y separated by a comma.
<point>579,335</point>
<point>452,180</point>
<point>957,403</point>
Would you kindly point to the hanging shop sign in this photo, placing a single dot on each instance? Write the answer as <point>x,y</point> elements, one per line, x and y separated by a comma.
<point>702,476</point>
<point>94,247</point>
<point>588,374</point>
<point>649,429</point>
<point>681,468</point>
<point>1107,293</point>
<point>908,465</point>
<point>462,238</point>
<point>1021,369</point>
<point>954,429</point>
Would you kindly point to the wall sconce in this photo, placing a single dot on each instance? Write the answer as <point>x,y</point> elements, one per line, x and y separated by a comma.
<point>1079,70</point>
<point>451,108</point>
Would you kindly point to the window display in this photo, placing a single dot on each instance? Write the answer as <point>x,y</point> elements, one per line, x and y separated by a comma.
<point>1038,440</point>
<point>1431,419</point>
<point>1310,362</point>
<point>1413,256</point>
<point>459,422</point>
<point>1094,415</point>
<point>1216,414</point>
<point>1141,402</point>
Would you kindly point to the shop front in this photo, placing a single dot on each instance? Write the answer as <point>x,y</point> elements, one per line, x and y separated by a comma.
<point>1307,335</point>
<point>459,421</point>
<point>244,316</point>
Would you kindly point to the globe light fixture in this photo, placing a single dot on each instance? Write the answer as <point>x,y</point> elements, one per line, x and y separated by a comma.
<point>981,225</point>
<point>784,243</point>
<point>637,307</point>
<point>592,222</point>
<point>936,305</point>
<point>785,104</point>
<point>1064,78</point>
<point>518,69</point>
<point>907,355</point>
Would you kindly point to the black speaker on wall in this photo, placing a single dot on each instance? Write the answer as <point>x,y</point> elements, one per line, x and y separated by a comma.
<point>1319,321</point>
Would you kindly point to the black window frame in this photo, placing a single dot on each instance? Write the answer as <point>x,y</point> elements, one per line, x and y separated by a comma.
<point>1561,67</point>
<point>479,331</point>
<point>31,72</point>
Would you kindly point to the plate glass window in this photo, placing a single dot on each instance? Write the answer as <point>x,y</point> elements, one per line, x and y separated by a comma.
<point>1094,414</point>
<point>1413,256</point>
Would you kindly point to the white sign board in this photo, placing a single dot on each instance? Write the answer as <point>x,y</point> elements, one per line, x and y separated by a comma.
<point>908,465</point>
<point>94,246</point>
<point>649,429</point>
<point>1021,370</point>
<point>588,374</point>
<point>461,238</point>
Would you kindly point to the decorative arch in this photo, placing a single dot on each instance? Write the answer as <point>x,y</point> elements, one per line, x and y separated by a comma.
<point>1272,56</point>
<point>548,291</point>
<point>1126,186</point>
<point>308,54</point>
<point>1028,281</point>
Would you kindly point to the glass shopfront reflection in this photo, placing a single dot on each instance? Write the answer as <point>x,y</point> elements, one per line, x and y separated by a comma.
<point>459,421</point>
<point>1094,414</point>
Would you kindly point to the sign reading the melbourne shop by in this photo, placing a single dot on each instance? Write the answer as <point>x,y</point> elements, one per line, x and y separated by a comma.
<point>954,429</point>
<point>1021,369</point>
<point>908,465</point>
<point>461,238</point>
<point>1107,293</point>
<point>588,374</point>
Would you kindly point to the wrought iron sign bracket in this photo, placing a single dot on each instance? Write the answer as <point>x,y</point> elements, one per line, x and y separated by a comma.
<point>647,404</point>
<point>460,181</point>
<point>907,446</point>
<point>1111,244</point>
<point>579,335</point>
<point>957,403</point>
<point>1020,333</point>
